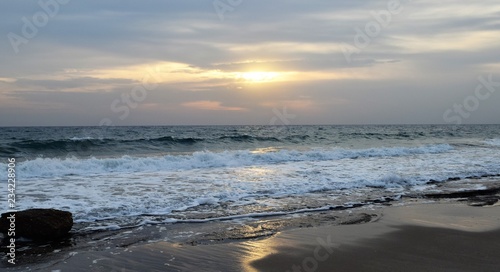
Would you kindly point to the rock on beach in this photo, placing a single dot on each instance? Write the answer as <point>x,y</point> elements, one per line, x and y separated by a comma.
<point>37,224</point>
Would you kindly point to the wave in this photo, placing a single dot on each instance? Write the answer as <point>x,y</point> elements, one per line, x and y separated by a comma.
<point>170,139</point>
<point>493,142</point>
<point>50,167</point>
<point>249,138</point>
<point>60,145</point>
<point>380,135</point>
<point>81,138</point>
<point>76,144</point>
<point>89,145</point>
<point>8,151</point>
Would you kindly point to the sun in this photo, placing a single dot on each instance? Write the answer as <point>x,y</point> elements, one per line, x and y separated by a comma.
<point>257,77</point>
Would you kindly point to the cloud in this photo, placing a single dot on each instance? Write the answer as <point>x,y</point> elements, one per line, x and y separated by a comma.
<point>92,52</point>
<point>7,80</point>
<point>211,106</point>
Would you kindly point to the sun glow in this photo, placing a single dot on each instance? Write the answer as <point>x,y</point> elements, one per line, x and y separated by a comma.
<point>257,77</point>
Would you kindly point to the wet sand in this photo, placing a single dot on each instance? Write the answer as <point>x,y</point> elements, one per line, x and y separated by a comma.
<point>423,237</point>
<point>432,237</point>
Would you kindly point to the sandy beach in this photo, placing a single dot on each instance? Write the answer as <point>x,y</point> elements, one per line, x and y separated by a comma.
<point>414,237</point>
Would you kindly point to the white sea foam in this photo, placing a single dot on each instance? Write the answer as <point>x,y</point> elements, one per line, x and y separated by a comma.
<point>494,142</point>
<point>54,167</point>
<point>81,138</point>
<point>129,191</point>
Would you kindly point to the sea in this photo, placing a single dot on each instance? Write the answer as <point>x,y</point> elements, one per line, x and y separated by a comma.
<point>121,177</point>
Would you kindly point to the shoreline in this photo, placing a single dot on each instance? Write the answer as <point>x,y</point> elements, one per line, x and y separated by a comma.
<point>440,236</point>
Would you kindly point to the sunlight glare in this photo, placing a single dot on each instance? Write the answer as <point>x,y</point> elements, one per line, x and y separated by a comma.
<point>257,77</point>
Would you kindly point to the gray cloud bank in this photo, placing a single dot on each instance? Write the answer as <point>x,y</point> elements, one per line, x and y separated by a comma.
<point>420,62</point>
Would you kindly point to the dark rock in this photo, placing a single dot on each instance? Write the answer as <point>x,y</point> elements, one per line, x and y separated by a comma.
<point>473,177</point>
<point>357,219</point>
<point>381,200</point>
<point>480,201</point>
<point>338,208</point>
<point>38,224</point>
<point>433,182</point>
<point>465,194</point>
<point>454,179</point>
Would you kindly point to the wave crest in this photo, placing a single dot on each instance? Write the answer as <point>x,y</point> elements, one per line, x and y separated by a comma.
<point>50,167</point>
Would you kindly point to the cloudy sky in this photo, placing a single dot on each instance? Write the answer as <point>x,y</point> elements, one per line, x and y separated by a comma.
<point>249,62</point>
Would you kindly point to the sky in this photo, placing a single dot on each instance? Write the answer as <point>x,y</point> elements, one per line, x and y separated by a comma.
<point>249,62</point>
